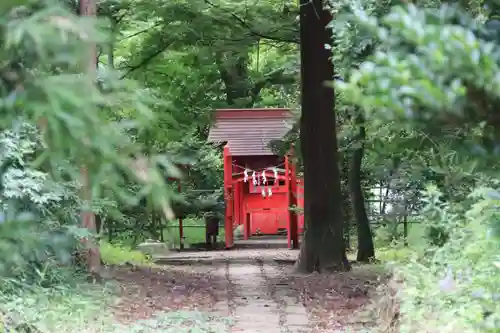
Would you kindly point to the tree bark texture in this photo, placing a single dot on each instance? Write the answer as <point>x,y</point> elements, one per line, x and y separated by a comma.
<point>366,250</point>
<point>323,247</point>
<point>89,8</point>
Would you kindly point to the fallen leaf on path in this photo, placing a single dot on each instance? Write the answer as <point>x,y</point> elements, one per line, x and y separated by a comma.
<point>331,300</point>
<point>146,291</point>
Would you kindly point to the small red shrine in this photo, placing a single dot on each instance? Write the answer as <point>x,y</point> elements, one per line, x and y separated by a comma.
<point>259,187</point>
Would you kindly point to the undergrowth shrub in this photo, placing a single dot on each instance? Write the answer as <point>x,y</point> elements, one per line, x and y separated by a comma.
<point>455,287</point>
<point>54,120</point>
<point>116,254</point>
<point>66,308</point>
<point>395,253</point>
<point>37,229</point>
<point>434,70</point>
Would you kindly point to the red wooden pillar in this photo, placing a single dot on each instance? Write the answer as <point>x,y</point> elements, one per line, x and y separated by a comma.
<point>292,217</point>
<point>245,217</point>
<point>288,216</point>
<point>246,224</point>
<point>237,202</point>
<point>228,195</point>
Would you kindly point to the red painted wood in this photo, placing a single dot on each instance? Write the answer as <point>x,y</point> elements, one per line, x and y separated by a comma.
<point>264,223</point>
<point>288,218</point>
<point>228,224</point>
<point>237,200</point>
<point>292,202</point>
<point>246,206</point>
<point>257,162</point>
<point>257,207</point>
<point>245,216</point>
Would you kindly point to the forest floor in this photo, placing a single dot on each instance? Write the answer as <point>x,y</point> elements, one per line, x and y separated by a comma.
<point>246,291</point>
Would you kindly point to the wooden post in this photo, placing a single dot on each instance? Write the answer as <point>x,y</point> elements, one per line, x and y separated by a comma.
<point>292,193</point>
<point>247,230</point>
<point>181,227</point>
<point>228,195</point>
<point>241,216</point>
<point>288,215</point>
<point>244,214</point>
<point>239,211</point>
<point>237,202</point>
<point>89,8</point>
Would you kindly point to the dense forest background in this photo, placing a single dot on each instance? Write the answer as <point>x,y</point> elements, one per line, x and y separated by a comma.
<point>396,137</point>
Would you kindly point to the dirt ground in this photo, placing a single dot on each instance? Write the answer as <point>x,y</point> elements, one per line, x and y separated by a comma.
<point>257,289</point>
<point>146,291</point>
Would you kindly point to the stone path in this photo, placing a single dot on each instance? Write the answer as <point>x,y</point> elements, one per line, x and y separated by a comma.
<point>256,306</point>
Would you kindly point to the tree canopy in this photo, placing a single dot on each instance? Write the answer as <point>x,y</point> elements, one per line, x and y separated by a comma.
<point>396,134</point>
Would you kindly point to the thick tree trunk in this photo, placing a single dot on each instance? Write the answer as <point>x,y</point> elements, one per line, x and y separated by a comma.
<point>366,250</point>
<point>323,248</point>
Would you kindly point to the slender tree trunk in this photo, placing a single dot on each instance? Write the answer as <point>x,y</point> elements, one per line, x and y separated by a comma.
<point>366,250</point>
<point>110,224</point>
<point>111,52</point>
<point>98,224</point>
<point>323,248</point>
<point>161,227</point>
<point>346,200</point>
<point>89,8</point>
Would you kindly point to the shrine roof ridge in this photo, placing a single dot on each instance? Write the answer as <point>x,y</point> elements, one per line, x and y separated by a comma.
<point>284,113</point>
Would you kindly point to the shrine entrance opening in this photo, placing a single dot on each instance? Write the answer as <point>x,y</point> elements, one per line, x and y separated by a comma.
<point>259,186</point>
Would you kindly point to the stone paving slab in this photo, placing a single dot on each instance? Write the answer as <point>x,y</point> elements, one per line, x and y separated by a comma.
<point>248,255</point>
<point>250,302</point>
<point>257,308</point>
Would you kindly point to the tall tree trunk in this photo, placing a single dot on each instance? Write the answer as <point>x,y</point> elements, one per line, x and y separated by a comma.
<point>323,248</point>
<point>111,45</point>
<point>89,8</point>
<point>346,198</point>
<point>366,250</point>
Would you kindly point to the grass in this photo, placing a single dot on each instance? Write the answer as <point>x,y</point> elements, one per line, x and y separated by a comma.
<point>86,308</point>
<point>116,254</point>
<point>193,232</point>
<point>120,252</point>
<point>77,308</point>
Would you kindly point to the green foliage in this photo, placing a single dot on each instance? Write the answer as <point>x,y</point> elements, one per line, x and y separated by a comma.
<point>35,237</point>
<point>174,322</point>
<point>34,310</point>
<point>394,254</point>
<point>428,90</point>
<point>193,232</point>
<point>56,120</point>
<point>417,74</point>
<point>115,254</point>
<point>75,127</point>
<point>463,271</point>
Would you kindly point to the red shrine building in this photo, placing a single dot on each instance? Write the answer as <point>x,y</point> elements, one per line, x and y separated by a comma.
<point>259,186</point>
